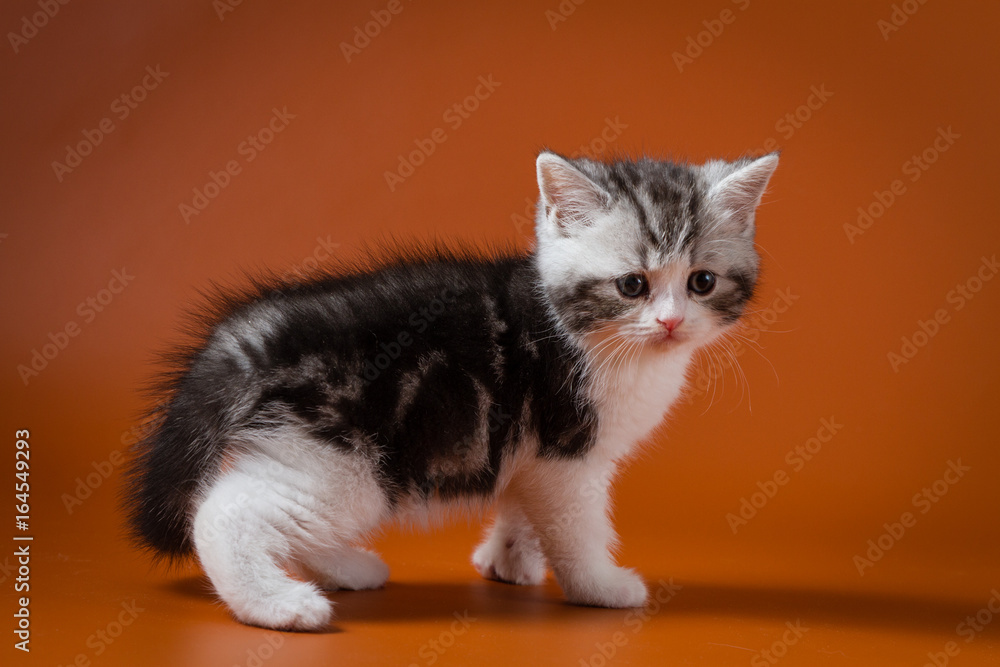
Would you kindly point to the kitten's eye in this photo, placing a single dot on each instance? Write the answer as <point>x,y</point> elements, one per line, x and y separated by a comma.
<point>633,285</point>
<point>701,282</point>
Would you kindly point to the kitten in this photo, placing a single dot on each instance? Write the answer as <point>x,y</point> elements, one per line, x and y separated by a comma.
<point>313,412</point>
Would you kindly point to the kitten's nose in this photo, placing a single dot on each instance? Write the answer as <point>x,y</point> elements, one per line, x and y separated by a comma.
<point>671,323</point>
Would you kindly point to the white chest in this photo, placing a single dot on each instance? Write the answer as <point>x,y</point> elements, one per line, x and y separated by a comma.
<point>633,399</point>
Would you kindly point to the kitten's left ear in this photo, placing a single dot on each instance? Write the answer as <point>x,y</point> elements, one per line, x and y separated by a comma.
<point>569,198</point>
<point>739,193</point>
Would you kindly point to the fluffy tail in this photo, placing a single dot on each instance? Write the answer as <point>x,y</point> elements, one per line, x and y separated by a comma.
<point>182,452</point>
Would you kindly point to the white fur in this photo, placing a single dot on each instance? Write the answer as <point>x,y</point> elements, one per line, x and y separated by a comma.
<point>290,505</point>
<point>289,502</point>
<point>511,551</point>
<point>564,506</point>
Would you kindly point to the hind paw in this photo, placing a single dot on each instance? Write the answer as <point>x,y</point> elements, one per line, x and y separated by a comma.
<point>299,606</point>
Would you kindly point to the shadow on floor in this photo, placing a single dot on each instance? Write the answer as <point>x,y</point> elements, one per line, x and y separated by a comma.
<point>408,601</point>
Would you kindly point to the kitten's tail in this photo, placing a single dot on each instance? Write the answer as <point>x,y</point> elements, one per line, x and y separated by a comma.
<point>183,451</point>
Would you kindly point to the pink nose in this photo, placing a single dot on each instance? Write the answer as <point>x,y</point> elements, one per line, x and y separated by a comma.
<point>671,324</point>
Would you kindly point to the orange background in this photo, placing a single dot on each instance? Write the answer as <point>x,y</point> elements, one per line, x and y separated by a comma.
<point>321,183</point>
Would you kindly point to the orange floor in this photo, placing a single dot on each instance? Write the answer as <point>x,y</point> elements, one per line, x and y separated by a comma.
<point>833,501</point>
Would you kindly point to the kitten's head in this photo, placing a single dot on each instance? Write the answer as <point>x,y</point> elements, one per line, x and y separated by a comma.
<point>646,251</point>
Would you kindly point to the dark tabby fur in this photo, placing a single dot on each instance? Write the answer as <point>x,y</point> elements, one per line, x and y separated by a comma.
<point>339,359</point>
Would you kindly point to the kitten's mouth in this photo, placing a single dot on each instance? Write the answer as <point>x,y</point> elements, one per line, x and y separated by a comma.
<point>669,339</point>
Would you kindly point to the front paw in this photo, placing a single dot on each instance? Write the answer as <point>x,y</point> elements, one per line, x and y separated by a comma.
<point>511,560</point>
<point>614,587</point>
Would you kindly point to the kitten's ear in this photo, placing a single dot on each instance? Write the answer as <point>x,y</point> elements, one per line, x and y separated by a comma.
<point>569,198</point>
<point>739,193</point>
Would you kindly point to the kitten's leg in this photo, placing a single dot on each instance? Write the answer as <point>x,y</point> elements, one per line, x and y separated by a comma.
<point>511,551</point>
<point>350,569</point>
<point>293,497</point>
<point>567,503</point>
<point>240,538</point>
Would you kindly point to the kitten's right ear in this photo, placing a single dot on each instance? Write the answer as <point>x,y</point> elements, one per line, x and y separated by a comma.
<point>569,198</point>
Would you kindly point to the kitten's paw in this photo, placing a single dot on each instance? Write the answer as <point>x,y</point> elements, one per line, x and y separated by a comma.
<point>352,570</point>
<point>616,587</point>
<point>511,560</point>
<point>297,606</point>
